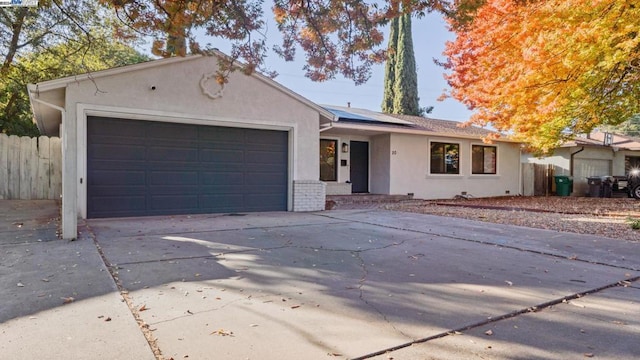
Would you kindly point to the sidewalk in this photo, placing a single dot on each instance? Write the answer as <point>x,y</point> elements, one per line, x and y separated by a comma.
<point>58,299</point>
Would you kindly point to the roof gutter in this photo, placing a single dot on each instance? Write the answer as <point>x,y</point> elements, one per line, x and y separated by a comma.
<point>34,101</point>
<point>326,127</point>
<point>384,129</point>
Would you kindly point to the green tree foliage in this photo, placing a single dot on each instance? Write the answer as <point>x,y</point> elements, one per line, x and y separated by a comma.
<point>631,127</point>
<point>406,99</point>
<point>336,37</point>
<point>401,77</point>
<point>56,39</point>
<point>390,68</point>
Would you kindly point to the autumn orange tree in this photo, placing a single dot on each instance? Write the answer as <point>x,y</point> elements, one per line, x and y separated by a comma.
<point>336,36</point>
<point>545,70</point>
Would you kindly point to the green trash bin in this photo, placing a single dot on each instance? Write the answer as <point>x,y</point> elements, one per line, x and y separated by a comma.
<point>563,185</point>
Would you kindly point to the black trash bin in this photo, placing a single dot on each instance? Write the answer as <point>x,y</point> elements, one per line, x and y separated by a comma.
<point>600,186</point>
<point>607,186</point>
<point>595,185</point>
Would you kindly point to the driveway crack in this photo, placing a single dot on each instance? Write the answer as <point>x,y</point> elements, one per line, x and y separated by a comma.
<point>483,242</point>
<point>124,293</point>
<point>494,319</point>
<point>362,283</point>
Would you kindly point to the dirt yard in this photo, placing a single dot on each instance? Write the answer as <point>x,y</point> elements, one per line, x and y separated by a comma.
<point>609,217</point>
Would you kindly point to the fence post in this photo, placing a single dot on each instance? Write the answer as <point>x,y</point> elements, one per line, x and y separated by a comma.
<point>4,167</point>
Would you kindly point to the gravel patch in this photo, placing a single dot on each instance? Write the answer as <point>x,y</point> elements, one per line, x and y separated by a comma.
<point>607,217</point>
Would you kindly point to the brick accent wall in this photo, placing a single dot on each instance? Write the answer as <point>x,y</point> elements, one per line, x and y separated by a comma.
<point>308,195</point>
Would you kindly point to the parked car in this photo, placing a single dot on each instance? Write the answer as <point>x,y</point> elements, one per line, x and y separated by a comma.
<point>633,183</point>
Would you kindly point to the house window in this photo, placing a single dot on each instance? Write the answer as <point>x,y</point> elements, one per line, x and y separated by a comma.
<point>328,160</point>
<point>445,158</point>
<point>483,159</point>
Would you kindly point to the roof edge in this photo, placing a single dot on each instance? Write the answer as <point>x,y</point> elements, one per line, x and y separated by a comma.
<point>408,130</point>
<point>63,82</point>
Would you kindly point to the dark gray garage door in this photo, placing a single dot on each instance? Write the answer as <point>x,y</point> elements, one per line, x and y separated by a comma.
<point>140,168</point>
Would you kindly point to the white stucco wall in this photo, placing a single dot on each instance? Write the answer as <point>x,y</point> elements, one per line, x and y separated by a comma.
<point>344,172</point>
<point>399,165</point>
<point>410,170</point>
<point>380,160</point>
<point>172,92</point>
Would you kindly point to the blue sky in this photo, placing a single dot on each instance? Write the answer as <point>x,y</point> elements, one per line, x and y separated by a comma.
<point>429,37</point>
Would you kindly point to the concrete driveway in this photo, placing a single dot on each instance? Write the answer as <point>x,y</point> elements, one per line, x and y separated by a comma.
<point>340,284</point>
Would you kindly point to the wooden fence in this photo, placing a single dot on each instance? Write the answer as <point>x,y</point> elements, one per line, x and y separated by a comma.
<point>30,168</point>
<point>537,179</point>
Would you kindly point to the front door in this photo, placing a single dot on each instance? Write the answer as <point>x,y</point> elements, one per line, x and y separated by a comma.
<point>359,167</point>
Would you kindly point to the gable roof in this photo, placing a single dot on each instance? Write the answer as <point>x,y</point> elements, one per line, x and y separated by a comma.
<point>48,107</point>
<point>596,139</point>
<point>445,126</point>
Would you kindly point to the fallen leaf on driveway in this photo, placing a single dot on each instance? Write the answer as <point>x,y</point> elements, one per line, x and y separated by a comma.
<point>67,300</point>
<point>295,306</point>
<point>222,332</point>
<point>143,308</point>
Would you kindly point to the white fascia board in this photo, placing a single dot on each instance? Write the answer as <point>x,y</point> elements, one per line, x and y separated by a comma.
<point>338,125</point>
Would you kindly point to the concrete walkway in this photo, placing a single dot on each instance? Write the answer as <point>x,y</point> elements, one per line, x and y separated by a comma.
<point>339,284</point>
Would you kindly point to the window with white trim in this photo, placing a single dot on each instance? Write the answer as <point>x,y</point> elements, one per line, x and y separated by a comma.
<point>445,158</point>
<point>483,159</point>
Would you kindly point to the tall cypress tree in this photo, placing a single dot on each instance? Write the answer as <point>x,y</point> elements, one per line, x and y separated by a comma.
<point>390,68</point>
<point>406,100</point>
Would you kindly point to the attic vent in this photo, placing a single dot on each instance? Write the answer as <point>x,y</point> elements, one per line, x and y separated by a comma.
<point>608,139</point>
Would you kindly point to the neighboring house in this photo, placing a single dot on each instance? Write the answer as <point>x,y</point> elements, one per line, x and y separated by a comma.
<point>162,137</point>
<point>597,154</point>
<point>365,151</point>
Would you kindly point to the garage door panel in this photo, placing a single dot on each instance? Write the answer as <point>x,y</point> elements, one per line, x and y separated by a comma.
<point>180,202</point>
<point>117,177</point>
<point>173,178</point>
<point>223,189</point>
<point>171,131</point>
<point>117,152</point>
<point>266,179</point>
<point>216,134</point>
<point>182,169</point>
<point>222,155</point>
<point>212,178</point>
<point>116,127</point>
<point>255,136</point>
<point>119,191</point>
<point>164,153</point>
<point>258,202</point>
<point>118,140</point>
<point>214,200</point>
<point>264,157</point>
<point>257,169</point>
<point>122,204</point>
